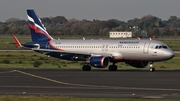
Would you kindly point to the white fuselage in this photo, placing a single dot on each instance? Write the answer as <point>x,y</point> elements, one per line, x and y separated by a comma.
<point>142,50</point>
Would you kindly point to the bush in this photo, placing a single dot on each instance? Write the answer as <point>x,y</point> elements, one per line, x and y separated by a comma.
<point>59,66</point>
<point>37,63</point>
<point>41,58</point>
<point>9,55</point>
<point>6,61</point>
<point>20,62</point>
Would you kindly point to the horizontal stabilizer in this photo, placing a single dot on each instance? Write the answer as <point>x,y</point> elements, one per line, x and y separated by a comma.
<point>16,41</point>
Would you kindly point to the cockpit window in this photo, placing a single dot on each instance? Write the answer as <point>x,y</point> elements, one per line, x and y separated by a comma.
<point>165,47</point>
<point>159,47</point>
<point>156,47</point>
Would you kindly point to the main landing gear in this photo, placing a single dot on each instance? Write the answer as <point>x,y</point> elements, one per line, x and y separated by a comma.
<point>113,67</point>
<point>152,69</point>
<point>87,67</point>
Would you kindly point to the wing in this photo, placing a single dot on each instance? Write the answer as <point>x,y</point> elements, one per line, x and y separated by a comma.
<point>46,51</point>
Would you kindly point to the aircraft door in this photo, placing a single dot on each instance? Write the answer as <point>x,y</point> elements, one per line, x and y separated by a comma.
<point>146,48</point>
<point>105,48</point>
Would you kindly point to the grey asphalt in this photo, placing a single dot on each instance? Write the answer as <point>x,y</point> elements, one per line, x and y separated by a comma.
<point>123,84</point>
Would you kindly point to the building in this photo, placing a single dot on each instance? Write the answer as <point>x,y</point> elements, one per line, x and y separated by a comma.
<point>118,34</point>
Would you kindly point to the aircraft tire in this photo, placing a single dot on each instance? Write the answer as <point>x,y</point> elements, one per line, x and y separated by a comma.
<point>112,68</point>
<point>152,69</point>
<point>86,68</point>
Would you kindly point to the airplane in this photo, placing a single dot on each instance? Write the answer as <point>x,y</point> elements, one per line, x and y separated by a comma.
<point>96,53</point>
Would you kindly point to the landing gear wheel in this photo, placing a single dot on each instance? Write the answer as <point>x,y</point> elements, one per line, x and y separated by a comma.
<point>152,69</point>
<point>112,68</point>
<point>86,68</point>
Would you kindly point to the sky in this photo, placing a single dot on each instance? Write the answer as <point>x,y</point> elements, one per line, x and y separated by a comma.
<point>122,10</point>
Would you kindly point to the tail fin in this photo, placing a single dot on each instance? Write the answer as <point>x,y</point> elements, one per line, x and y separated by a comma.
<point>38,31</point>
<point>16,40</point>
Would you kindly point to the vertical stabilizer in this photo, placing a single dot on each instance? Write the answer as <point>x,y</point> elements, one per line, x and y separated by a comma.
<point>37,29</point>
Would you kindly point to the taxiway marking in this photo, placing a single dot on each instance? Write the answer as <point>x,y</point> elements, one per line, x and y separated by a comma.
<point>94,86</point>
<point>7,72</point>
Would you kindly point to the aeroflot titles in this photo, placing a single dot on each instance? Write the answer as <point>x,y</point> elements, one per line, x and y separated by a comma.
<point>129,42</point>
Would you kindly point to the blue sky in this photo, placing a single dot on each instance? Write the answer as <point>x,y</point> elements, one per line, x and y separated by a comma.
<point>123,10</point>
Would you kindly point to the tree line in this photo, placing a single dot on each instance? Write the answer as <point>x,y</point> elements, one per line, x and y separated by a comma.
<point>59,25</point>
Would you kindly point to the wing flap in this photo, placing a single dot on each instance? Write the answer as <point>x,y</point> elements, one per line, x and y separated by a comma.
<point>46,51</point>
<point>60,51</point>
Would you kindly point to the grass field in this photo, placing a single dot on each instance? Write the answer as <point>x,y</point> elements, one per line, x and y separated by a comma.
<point>30,59</point>
<point>16,59</point>
<point>65,98</point>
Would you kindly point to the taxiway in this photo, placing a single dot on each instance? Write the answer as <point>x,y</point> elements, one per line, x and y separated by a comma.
<point>55,82</point>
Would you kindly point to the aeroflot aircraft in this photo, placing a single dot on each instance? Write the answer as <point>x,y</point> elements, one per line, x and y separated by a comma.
<point>96,53</point>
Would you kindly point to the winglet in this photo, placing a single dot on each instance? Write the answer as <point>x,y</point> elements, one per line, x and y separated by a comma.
<point>16,40</point>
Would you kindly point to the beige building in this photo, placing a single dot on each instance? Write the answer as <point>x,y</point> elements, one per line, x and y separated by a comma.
<point>118,34</point>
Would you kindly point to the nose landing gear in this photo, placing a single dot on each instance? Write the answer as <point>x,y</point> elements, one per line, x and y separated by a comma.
<point>152,69</point>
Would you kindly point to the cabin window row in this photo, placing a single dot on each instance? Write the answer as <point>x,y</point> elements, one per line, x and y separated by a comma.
<point>97,47</point>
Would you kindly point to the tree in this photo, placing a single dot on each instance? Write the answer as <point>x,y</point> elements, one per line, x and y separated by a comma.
<point>46,20</point>
<point>155,32</point>
<point>12,20</point>
<point>59,20</point>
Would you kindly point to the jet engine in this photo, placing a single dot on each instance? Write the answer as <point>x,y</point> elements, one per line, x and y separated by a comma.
<point>99,61</point>
<point>137,64</point>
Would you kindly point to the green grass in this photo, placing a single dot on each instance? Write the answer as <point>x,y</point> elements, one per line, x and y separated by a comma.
<point>16,59</point>
<point>66,98</point>
<point>9,44</point>
<point>26,59</point>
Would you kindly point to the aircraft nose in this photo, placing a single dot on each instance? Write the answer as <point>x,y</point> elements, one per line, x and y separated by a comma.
<point>169,54</point>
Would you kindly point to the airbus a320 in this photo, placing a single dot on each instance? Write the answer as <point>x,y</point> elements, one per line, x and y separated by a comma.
<point>96,53</point>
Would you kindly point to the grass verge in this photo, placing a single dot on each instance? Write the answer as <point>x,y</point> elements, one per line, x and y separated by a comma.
<point>30,59</point>
<point>67,98</point>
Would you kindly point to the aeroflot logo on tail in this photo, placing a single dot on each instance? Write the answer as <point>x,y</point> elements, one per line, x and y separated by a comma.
<point>129,42</point>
